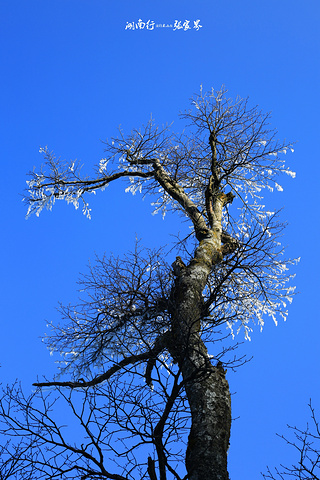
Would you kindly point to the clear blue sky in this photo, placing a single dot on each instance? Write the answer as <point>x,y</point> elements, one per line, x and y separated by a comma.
<point>70,75</point>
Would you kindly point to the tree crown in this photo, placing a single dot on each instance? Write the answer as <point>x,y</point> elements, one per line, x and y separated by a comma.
<point>227,150</point>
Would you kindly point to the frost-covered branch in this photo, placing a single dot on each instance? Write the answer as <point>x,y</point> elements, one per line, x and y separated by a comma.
<point>254,282</point>
<point>226,146</point>
<point>62,181</point>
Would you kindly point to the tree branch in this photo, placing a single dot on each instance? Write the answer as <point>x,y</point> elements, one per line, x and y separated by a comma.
<point>152,469</point>
<point>172,187</point>
<point>161,344</point>
<point>99,378</point>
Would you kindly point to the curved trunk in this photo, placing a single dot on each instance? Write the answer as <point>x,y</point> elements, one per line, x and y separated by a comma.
<point>206,386</point>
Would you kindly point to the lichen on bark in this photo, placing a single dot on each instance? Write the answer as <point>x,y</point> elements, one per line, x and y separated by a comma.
<point>205,384</point>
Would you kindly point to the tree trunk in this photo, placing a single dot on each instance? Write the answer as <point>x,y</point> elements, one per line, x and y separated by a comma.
<point>206,386</point>
<point>210,403</point>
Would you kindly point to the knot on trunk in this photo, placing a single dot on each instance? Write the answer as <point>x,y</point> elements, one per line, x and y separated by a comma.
<point>226,198</point>
<point>178,267</point>
<point>230,244</point>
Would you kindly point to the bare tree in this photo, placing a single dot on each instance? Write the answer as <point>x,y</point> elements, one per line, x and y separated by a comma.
<point>306,444</point>
<point>144,390</point>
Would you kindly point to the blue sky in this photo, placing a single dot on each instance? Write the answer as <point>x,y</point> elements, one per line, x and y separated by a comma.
<point>70,75</point>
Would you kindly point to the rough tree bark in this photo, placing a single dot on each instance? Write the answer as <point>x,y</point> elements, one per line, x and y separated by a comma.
<point>206,386</point>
